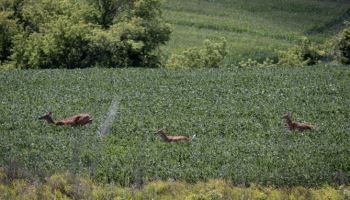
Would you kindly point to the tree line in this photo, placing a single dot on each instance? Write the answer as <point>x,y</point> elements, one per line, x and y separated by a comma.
<point>81,33</point>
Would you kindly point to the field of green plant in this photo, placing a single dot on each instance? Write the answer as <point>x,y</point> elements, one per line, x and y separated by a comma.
<point>234,113</point>
<point>253,29</point>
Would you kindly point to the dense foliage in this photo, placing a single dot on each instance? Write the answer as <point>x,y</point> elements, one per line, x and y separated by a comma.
<point>306,53</point>
<point>83,33</point>
<point>210,55</point>
<point>343,46</point>
<point>234,113</point>
<point>8,28</point>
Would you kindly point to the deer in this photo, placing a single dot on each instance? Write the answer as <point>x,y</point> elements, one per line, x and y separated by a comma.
<point>75,120</point>
<point>177,138</point>
<point>292,125</point>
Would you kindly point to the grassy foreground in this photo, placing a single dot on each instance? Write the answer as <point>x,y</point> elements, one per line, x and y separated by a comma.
<point>67,186</point>
<point>234,113</point>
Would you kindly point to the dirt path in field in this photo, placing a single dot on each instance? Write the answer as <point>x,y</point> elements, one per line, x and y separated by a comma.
<point>107,123</point>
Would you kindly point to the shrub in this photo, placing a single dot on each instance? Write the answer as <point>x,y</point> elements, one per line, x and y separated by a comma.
<point>343,46</point>
<point>326,192</point>
<point>209,56</point>
<point>129,43</point>
<point>309,53</point>
<point>62,43</point>
<point>144,33</point>
<point>105,47</point>
<point>306,53</point>
<point>72,186</point>
<point>8,28</point>
<point>254,63</point>
<point>33,15</point>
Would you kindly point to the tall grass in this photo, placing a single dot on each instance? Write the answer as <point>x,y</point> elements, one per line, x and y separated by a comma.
<point>67,186</point>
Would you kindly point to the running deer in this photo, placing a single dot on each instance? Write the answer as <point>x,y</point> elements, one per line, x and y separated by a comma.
<point>292,125</point>
<point>76,120</point>
<point>177,138</point>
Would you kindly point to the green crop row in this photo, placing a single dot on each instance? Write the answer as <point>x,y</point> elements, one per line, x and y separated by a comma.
<point>234,113</point>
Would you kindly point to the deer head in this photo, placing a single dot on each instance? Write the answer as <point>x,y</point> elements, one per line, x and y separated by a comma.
<point>287,115</point>
<point>161,131</point>
<point>47,117</point>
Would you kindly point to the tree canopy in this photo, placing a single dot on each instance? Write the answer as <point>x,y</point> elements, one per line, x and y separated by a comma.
<point>81,33</point>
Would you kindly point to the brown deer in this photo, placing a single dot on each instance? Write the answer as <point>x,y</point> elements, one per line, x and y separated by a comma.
<point>177,138</point>
<point>76,120</point>
<point>292,125</point>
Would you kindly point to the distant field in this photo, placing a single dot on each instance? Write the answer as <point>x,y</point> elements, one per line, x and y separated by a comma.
<point>254,28</point>
<point>234,113</point>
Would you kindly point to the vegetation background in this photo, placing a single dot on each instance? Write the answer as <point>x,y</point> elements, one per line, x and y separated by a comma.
<point>253,29</point>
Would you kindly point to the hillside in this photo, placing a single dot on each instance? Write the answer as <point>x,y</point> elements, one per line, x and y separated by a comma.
<point>254,29</point>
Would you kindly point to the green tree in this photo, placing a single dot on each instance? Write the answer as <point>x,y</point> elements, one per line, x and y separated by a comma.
<point>82,33</point>
<point>108,10</point>
<point>135,39</point>
<point>8,28</point>
<point>63,44</point>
